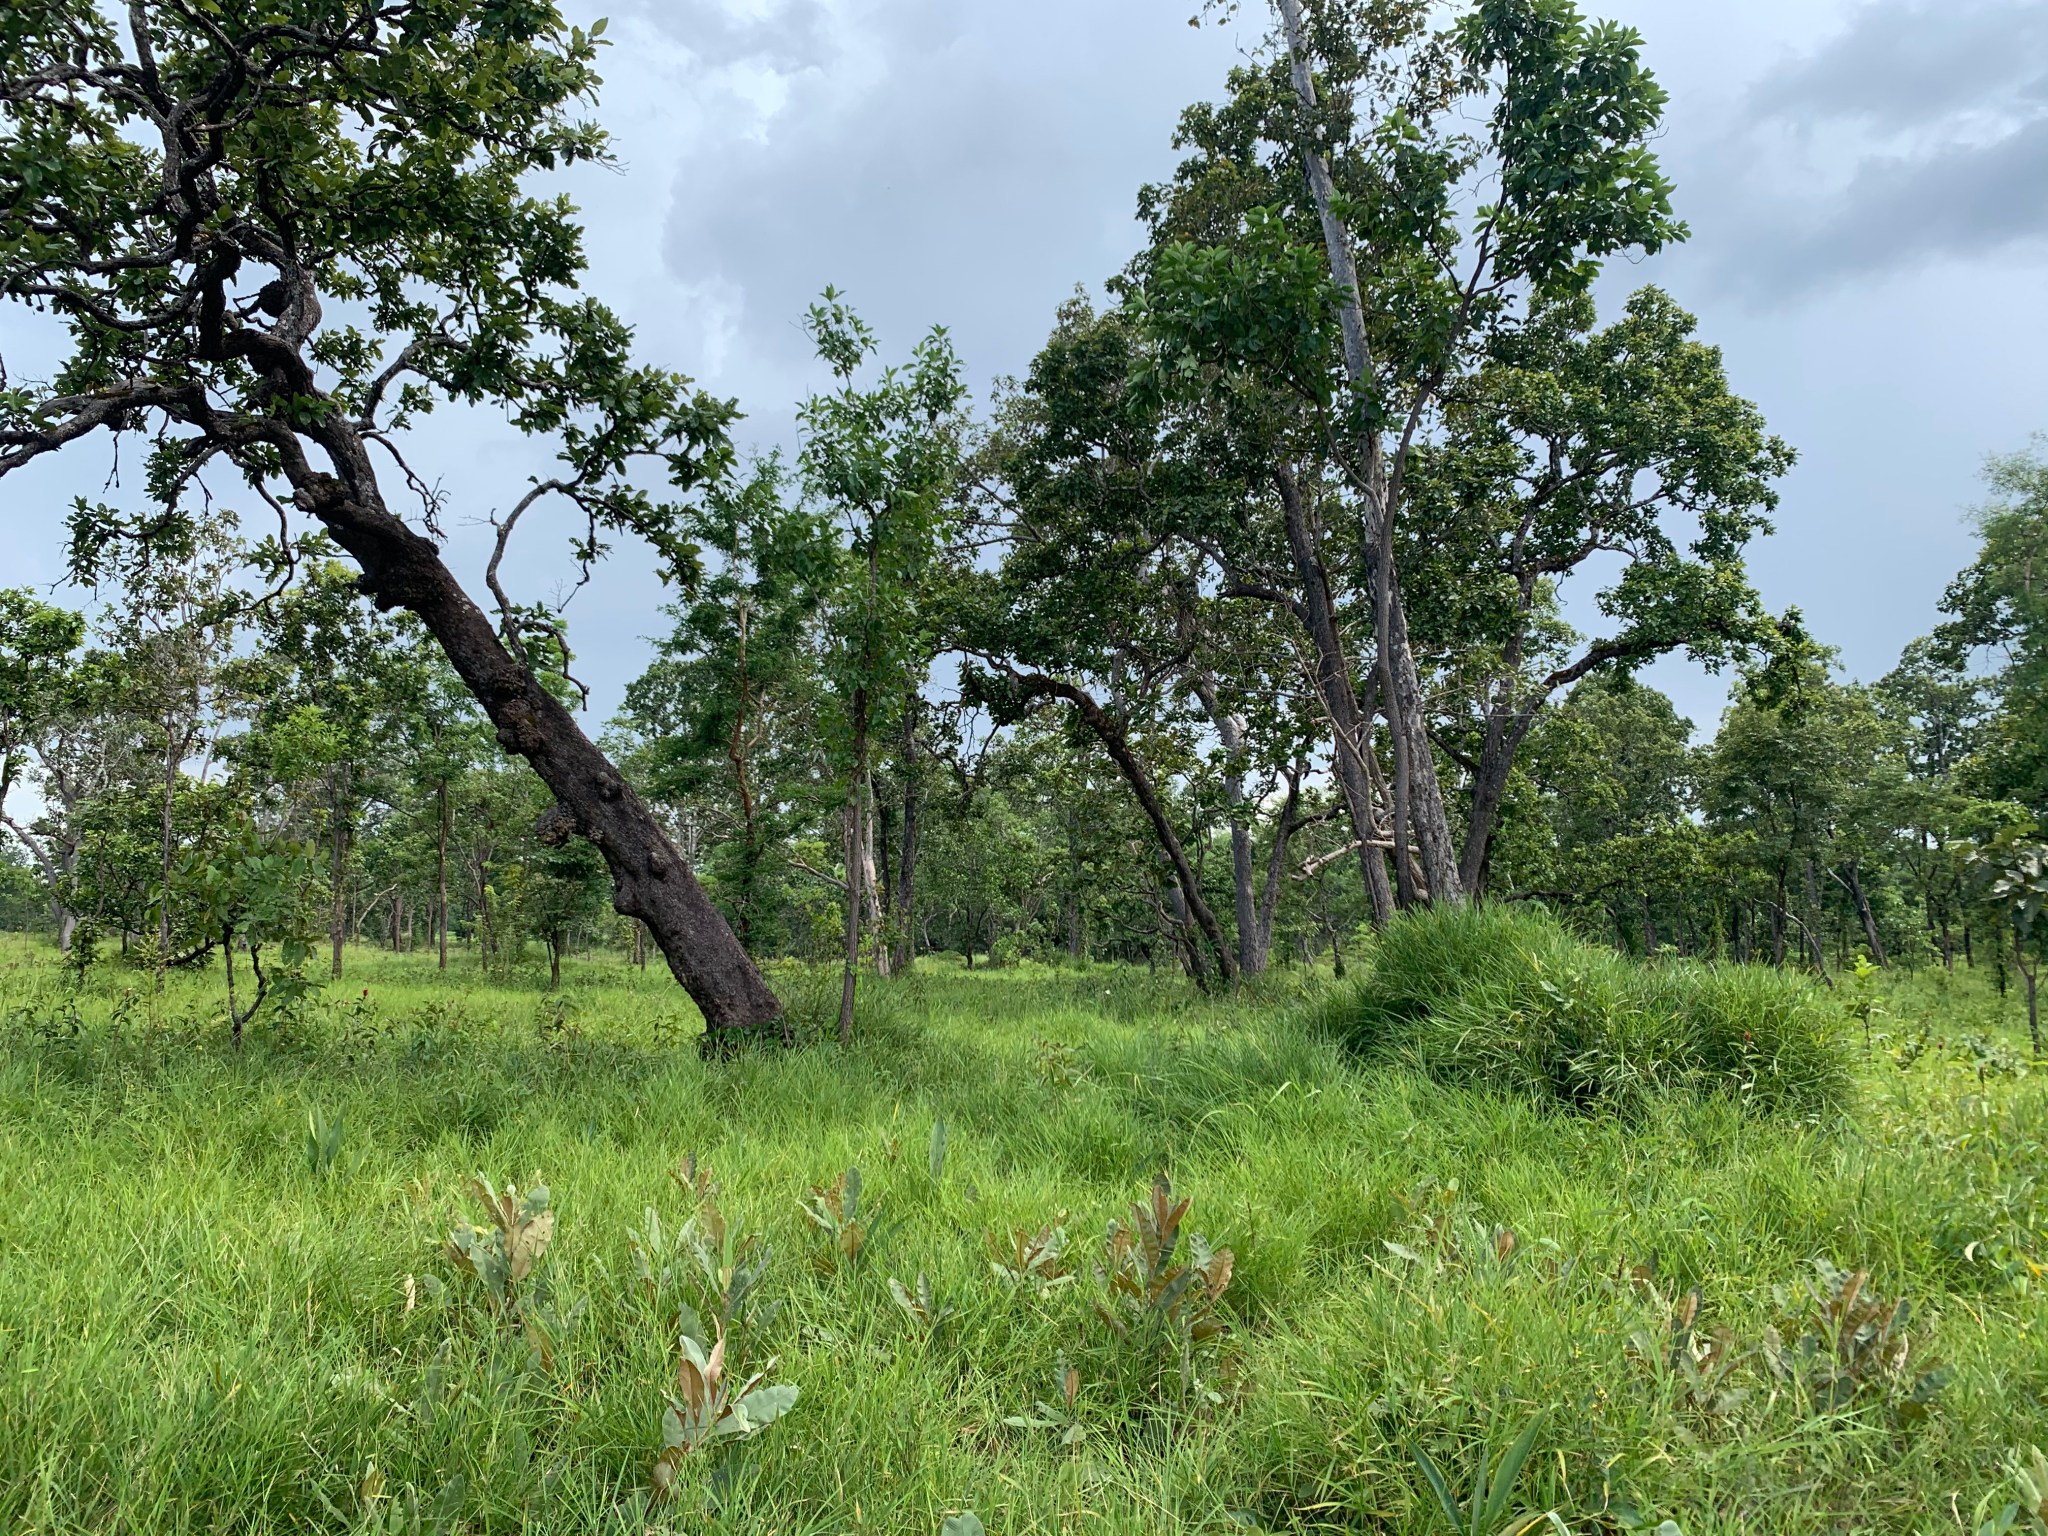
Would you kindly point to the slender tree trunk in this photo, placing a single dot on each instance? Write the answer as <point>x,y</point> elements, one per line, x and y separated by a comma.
<point>1117,744</point>
<point>1276,867</point>
<point>167,847</point>
<point>1419,805</point>
<point>1243,874</point>
<point>441,876</point>
<point>403,568</point>
<point>1868,917</point>
<point>337,917</point>
<point>904,911</point>
<point>555,941</point>
<point>873,869</point>
<point>855,784</point>
<point>1348,722</point>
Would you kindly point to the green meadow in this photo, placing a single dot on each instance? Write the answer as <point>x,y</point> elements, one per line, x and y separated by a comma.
<point>228,1303</point>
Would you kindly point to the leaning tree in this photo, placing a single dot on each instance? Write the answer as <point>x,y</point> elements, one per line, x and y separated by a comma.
<point>267,237</point>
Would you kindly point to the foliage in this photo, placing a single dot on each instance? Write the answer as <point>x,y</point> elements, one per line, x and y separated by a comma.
<point>707,1409</point>
<point>1845,1344</point>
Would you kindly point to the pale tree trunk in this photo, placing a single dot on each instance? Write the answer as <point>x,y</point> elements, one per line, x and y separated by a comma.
<point>870,883</point>
<point>1276,866</point>
<point>855,861</point>
<point>1230,730</point>
<point>1419,805</point>
<point>337,918</point>
<point>441,875</point>
<point>1348,721</point>
<point>904,907</point>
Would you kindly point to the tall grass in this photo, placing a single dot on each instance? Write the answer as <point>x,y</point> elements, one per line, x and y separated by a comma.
<point>1506,998</point>
<point>202,1330</point>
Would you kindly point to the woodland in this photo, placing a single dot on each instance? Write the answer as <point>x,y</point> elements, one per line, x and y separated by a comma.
<point>1210,783</point>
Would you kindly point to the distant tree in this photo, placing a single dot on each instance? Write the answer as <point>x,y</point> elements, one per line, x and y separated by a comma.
<point>37,644</point>
<point>883,460</point>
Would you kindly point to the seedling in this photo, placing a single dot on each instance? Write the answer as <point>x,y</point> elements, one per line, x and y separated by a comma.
<point>1032,1261</point>
<point>1700,1368</point>
<point>1850,1344</point>
<point>1061,1416</point>
<point>717,1265</point>
<point>502,1255</point>
<point>705,1410</point>
<point>1483,1510</point>
<point>1148,1287</point>
<point>836,1211</point>
<point>927,1314</point>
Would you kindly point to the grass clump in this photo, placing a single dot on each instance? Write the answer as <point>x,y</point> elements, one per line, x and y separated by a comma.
<point>1505,998</point>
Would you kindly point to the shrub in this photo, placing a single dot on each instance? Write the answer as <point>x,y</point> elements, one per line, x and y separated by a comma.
<point>1505,998</point>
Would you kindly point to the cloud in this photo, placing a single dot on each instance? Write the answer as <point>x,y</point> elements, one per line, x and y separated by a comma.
<point>950,164</point>
<point>1917,133</point>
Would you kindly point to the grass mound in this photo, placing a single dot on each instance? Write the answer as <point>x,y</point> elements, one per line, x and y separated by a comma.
<point>1505,998</point>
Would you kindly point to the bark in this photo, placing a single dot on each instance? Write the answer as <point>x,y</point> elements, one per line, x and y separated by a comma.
<point>441,875</point>
<point>1348,722</point>
<point>650,881</point>
<point>2028,974</point>
<point>1117,744</point>
<point>1419,804</point>
<point>903,916</point>
<point>1869,919</point>
<point>1243,875</point>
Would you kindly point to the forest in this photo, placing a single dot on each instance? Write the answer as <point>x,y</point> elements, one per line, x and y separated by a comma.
<point>1217,771</point>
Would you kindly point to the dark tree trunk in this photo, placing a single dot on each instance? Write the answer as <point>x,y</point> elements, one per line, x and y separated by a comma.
<point>1276,867</point>
<point>1117,744</point>
<point>650,881</point>
<point>1868,917</point>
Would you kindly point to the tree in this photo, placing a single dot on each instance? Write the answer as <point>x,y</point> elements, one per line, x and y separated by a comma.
<point>730,699</point>
<point>193,190</point>
<point>37,643</point>
<point>1343,237</point>
<point>2017,888</point>
<point>884,461</point>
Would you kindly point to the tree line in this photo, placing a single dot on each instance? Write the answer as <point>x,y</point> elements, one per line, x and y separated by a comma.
<point>1235,624</point>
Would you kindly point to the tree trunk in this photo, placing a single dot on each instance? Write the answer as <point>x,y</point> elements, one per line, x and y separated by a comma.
<point>872,868</point>
<point>555,941</point>
<point>337,916</point>
<point>1276,866</point>
<point>903,916</point>
<point>1114,741</point>
<point>1243,876</point>
<point>1419,803</point>
<point>1869,918</point>
<point>441,876</point>
<point>1348,724</point>
<point>854,860</point>
<point>402,568</point>
<point>166,847</point>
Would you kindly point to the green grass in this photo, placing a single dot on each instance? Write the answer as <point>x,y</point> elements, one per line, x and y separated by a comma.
<point>199,1334</point>
<point>1505,997</point>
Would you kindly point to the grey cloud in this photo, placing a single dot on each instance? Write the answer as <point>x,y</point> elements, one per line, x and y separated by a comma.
<point>793,35</point>
<point>1918,133</point>
<point>1901,66</point>
<point>959,165</point>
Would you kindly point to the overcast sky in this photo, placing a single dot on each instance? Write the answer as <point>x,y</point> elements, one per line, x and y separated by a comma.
<point>1864,181</point>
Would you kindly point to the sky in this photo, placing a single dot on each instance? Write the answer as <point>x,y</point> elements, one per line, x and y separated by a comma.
<point>1867,186</point>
